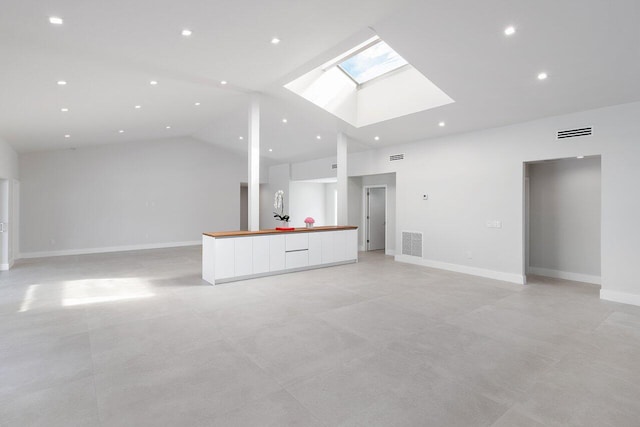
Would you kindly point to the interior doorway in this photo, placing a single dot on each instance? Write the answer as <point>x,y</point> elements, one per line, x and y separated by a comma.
<point>562,218</point>
<point>375,217</point>
<point>244,206</point>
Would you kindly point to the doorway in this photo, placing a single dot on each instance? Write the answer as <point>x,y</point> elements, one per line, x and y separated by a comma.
<point>375,217</point>
<point>244,206</point>
<point>562,218</point>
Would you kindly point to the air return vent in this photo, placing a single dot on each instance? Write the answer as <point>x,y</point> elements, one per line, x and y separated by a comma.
<point>395,157</point>
<point>334,166</point>
<point>574,133</point>
<point>412,243</point>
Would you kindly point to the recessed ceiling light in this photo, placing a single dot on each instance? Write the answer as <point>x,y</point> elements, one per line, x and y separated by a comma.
<point>542,76</point>
<point>442,124</point>
<point>56,20</point>
<point>275,40</point>
<point>186,32</point>
<point>284,120</point>
<point>137,107</point>
<point>318,137</point>
<point>168,127</point>
<point>241,137</point>
<point>510,30</point>
<point>580,157</point>
<point>153,82</point>
<point>121,131</point>
<point>377,138</point>
<point>61,83</point>
<point>270,150</point>
<point>67,136</point>
<point>64,109</point>
<point>196,104</point>
<point>223,82</point>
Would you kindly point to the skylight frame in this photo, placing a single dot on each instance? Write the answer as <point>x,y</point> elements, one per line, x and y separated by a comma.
<point>360,49</point>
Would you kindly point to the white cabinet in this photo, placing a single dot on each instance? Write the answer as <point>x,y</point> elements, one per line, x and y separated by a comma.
<point>327,247</point>
<point>261,254</point>
<point>224,258</point>
<point>234,257</point>
<point>296,242</point>
<point>243,256</point>
<point>297,259</point>
<point>276,253</point>
<point>315,248</point>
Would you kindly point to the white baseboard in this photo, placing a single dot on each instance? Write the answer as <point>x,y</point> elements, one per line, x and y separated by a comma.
<point>4,267</point>
<point>622,297</point>
<point>577,277</point>
<point>109,249</point>
<point>474,271</point>
<point>389,252</point>
<point>361,248</point>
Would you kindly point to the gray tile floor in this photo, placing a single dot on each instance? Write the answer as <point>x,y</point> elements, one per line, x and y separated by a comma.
<point>137,339</point>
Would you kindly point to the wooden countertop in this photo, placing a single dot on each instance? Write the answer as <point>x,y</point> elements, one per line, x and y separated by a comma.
<point>274,231</point>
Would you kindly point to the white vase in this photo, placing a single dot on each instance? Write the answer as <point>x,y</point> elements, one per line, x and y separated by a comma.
<point>309,225</point>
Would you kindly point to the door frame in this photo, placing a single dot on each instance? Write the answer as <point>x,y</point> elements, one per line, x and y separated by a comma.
<point>365,207</point>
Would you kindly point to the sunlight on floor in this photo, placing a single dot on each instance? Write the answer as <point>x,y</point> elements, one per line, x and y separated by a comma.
<point>28,298</point>
<point>92,291</point>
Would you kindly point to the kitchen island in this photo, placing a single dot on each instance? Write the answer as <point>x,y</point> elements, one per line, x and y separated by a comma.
<point>228,256</point>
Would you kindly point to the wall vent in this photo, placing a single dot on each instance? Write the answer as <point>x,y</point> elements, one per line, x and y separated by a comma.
<point>412,243</point>
<point>573,133</point>
<point>395,157</point>
<point>334,166</point>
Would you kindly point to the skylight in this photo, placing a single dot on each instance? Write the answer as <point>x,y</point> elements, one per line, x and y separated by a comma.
<point>372,63</point>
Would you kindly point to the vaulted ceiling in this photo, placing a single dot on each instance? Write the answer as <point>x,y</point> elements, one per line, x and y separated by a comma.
<point>108,53</point>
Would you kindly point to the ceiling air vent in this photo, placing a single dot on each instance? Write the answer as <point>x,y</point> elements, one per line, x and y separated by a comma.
<point>574,133</point>
<point>412,243</point>
<point>395,157</point>
<point>334,166</point>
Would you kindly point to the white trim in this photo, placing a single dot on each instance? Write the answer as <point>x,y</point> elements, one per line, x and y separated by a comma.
<point>566,275</point>
<point>474,271</point>
<point>4,267</point>
<point>622,297</point>
<point>110,249</point>
<point>389,252</point>
<point>365,210</point>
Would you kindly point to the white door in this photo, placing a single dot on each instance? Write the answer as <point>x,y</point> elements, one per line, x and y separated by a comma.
<point>376,218</point>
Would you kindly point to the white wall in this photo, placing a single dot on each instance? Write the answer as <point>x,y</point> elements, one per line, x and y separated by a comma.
<point>145,194</point>
<point>307,199</point>
<point>565,219</point>
<point>8,161</point>
<point>475,177</point>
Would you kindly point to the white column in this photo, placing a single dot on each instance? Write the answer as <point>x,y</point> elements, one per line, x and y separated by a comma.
<point>254,164</point>
<point>343,200</point>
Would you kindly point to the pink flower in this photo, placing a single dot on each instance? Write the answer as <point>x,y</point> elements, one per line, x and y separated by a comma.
<point>309,220</point>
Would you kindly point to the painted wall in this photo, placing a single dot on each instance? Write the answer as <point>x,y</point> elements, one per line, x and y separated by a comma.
<point>307,199</point>
<point>141,194</point>
<point>8,161</point>
<point>564,219</point>
<point>477,177</point>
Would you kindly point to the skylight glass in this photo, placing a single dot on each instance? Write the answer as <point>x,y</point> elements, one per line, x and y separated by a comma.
<point>372,62</point>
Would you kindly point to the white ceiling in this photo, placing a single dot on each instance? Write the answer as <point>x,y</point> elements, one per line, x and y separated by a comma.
<point>109,51</point>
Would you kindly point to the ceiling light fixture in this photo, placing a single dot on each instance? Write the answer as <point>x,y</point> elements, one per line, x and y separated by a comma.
<point>64,110</point>
<point>241,137</point>
<point>186,32</point>
<point>270,150</point>
<point>223,82</point>
<point>442,124</point>
<point>580,157</point>
<point>510,30</point>
<point>153,82</point>
<point>168,127</point>
<point>318,137</point>
<point>61,83</point>
<point>196,104</point>
<point>56,20</point>
<point>121,131</point>
<point>275,40</point>
<point>137,107</point>
<point>284,120</point>
<point>542,76</point>
<point>377,138</point>
<point>67,136</point>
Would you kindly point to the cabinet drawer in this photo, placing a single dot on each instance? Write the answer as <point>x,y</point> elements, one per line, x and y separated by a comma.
<point>295,242</point>
<point>297,259</point>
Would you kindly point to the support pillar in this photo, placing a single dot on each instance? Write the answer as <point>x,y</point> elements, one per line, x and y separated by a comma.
<point>254,164</point>
<point>343,184</point>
